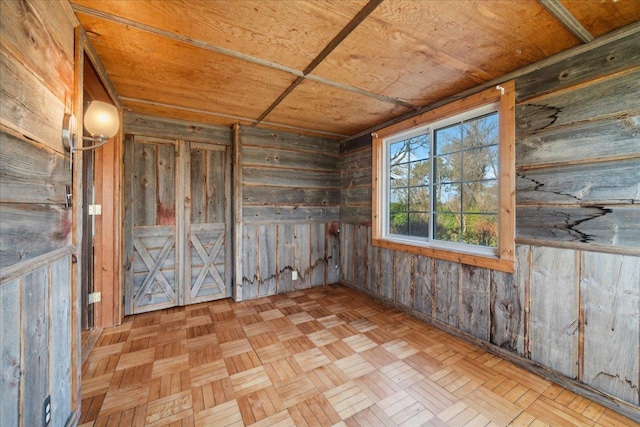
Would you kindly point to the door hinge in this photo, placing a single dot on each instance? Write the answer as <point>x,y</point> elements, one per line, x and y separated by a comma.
<point>95,297</point>
<point>95,210</point>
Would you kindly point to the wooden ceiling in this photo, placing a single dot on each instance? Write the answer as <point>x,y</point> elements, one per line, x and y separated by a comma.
<point>334,68</point>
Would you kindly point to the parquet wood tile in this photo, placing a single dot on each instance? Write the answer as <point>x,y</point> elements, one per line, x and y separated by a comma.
<point>368,417</point>
<point>337,350</point>
<point>377,386</point>
<point>296,389</point>
<point>260,404</point>
<point>327,377</point>
<point>360,343</point>
<point>169,384</point>
<point>402,374</point>
<point>250,380</point>
<point>136,358</point>
<point>242,362</point>
<point>326,356</point>
<point>348,399</point>
<point>311,359</point>
<point>168,409</point>
<point>354,366</point>
<point>211,394</point>
<point>233,348</point>
<point>403,409</point>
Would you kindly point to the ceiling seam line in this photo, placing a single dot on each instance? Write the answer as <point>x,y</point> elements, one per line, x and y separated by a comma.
<point>555,8</point>
<point>226,116</point>
<point>335,42</point>
<point>362,92</point>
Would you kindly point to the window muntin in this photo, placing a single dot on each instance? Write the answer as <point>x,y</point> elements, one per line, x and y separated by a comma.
<point>441,183</point>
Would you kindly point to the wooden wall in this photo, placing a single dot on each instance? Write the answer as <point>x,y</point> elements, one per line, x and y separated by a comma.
<point>572,305</point>
<point>39,336</point>
<point>286,199</point>
<point>36,336</point>
<point>287,194</point>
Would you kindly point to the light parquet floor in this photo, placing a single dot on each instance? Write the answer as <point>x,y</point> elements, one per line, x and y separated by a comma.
<point>318,357</point>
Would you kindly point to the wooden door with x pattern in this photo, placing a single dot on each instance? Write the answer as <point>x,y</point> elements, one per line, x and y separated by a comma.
<point>176,226</point>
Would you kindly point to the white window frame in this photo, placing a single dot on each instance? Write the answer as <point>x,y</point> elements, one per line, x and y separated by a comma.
<point>500,258</point>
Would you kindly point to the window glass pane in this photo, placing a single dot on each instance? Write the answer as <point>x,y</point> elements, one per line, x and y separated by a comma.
<point>481,163</point>
<point>419,224</point>
<point>448,139</point>
<point>399,175</point>
<point>448,168</point>
<point>419,172</point>
<point>480,131</point>
<point>420,147</point>
<point>399,199</point>
<point>447,198</point>
<point>399,223</point>
<point>419,199</point>
<point>398,152</point>
<point>481,196</point>
<point>480,230</point>
<point>447,227</point>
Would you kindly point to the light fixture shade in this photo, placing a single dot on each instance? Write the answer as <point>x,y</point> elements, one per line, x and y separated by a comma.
<point>101,119</point>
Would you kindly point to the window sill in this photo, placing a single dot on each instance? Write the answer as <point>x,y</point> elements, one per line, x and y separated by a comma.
<point>505,262</point>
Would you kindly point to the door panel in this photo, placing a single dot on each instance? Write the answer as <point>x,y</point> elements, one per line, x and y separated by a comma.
<point>177,244</point>
<point>207,260</point>
<point>207,232</point>
<point>151,279</point>
<point>154,267</point>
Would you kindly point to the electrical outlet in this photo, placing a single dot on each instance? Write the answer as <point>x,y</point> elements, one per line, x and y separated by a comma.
<point>46,412</point>
<point>294,275</point>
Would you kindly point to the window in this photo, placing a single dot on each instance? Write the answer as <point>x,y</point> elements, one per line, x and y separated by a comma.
<point>444,182</point>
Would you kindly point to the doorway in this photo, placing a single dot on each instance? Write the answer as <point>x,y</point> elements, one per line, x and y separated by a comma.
<point>177,223</point>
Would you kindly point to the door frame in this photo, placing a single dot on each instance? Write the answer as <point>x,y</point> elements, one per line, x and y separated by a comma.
<point>107,269</point>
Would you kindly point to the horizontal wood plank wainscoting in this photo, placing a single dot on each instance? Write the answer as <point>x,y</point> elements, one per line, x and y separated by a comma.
<point>570,311</point>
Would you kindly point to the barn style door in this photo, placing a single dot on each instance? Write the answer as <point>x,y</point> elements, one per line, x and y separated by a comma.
<point>207,258</point>
<point>176,223</point>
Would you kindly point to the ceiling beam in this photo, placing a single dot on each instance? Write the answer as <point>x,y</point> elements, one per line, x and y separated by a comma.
<point>561,13</point>
<point>343,34</point>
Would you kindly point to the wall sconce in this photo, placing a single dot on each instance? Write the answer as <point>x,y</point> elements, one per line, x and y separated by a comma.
<point>101,120</point>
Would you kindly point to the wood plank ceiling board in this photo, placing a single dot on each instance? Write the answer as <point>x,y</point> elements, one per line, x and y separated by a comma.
<point>289,33</point>
<point>602,17</point>
<point>149,67</point>
<point>419,51</point>
<point>318,106</point>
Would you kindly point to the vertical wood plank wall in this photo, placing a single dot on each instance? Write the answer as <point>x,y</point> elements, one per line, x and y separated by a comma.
<point>289,187</point>
<point>36,294</point>
<point>36,337</point>
<point>572,305</point>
